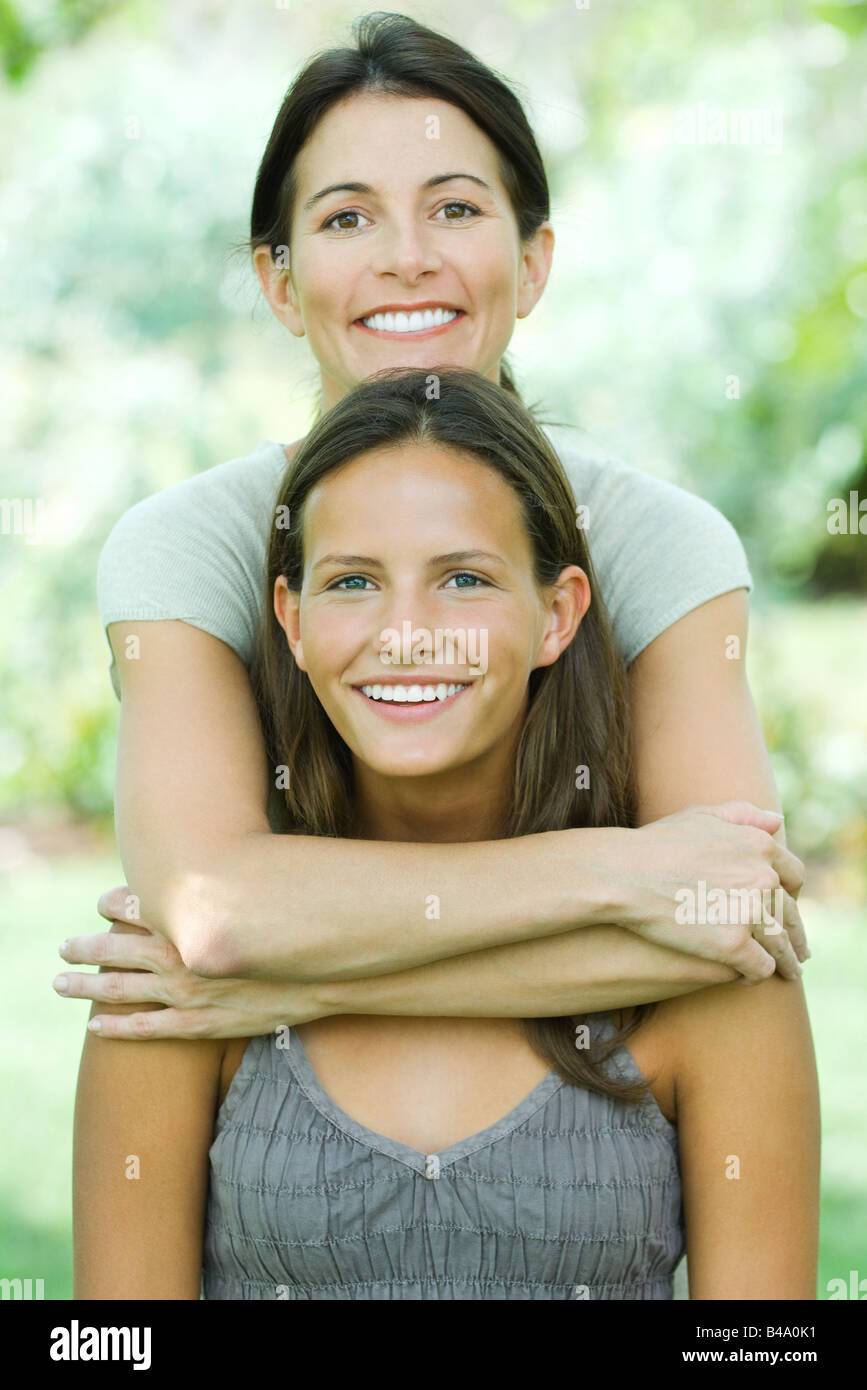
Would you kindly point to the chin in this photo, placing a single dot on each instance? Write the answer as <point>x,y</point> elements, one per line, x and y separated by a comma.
<point>409,764</point>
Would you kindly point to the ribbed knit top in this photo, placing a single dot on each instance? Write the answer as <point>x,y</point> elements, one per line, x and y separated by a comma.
<point>572,1195</point>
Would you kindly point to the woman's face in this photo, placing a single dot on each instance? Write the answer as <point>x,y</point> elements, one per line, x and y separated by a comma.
<point>418,577</point>
<point>429,222</point>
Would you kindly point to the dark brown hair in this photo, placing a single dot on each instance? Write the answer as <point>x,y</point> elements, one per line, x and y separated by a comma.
<point>396,55</point>
<point>577,710</point>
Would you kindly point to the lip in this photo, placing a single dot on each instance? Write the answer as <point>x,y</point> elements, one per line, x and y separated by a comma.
<point>418,332</point>
<point>409,714</point>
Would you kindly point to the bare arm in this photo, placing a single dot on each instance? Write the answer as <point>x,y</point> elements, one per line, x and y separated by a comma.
<point>144,1120</point>
<point>236,899</point>
<point>698,737</point>
<point>747,1110</point>
<point>698,740</point>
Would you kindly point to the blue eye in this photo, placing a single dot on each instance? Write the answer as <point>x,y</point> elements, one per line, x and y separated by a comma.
<point>349,579</point>
<point>465,574</point>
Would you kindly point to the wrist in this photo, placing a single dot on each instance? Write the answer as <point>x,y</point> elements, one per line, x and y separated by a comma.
<point>325,998</point>
<point>605,891</point>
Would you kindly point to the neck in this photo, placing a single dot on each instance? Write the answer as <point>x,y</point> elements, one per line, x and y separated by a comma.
<point>468,803</point>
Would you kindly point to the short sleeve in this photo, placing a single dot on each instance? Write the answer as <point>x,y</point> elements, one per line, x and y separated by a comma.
<point>658,551</point>
<point>196,552</point>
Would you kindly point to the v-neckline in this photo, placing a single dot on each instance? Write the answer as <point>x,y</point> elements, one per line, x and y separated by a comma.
<point>429,1164</point>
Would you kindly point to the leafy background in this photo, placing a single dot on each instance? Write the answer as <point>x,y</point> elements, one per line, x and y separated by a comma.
<point>713,298</point>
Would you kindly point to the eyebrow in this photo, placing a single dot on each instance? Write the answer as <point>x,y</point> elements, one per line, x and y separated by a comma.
<point>451,557</point>
<point>366,188</point>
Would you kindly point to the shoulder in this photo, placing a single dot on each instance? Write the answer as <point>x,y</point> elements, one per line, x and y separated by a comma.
<point>195,553</point>
<point>728,1047</point>
<point>731,1048</point>
<point>246,484</point>
<point>617,489</point>
<point>657,550</point>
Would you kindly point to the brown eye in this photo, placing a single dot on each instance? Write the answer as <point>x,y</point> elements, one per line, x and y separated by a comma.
<point>459,203</point>
<point>347,212</point>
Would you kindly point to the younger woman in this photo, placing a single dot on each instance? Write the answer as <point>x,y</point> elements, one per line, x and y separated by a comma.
<point>437,667</point>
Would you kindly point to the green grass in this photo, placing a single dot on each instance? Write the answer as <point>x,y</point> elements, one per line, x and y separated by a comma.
<point>47,900</point>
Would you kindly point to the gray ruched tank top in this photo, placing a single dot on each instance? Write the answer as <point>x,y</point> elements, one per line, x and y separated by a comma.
<point>572,1195</point>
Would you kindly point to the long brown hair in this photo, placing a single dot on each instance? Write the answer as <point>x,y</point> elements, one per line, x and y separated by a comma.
<point>395,55</point>
<point>577,712</point>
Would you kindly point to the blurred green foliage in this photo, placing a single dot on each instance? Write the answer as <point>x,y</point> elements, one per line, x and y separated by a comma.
<point>713,300</point>
<point>713,297</point>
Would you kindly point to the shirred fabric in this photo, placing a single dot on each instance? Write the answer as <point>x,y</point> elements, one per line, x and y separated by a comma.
<point>196,551</point>
<point>572,1195</point>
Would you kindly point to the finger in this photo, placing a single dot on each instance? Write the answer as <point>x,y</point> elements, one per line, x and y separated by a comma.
<point>786,922</point>
<point>790,869</point>
<point>146,988</point>
<point>120,950</point>
<point>745,813</point>
<point>797,934</point>
<point>119,905</point>
<point>752,960</point>
<point>156,1023</point>
<point>771,933</point>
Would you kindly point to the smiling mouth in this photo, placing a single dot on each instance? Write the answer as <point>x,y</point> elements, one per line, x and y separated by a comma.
<point>411,694</point>
<point>410,703</point>
<point>414,325</point>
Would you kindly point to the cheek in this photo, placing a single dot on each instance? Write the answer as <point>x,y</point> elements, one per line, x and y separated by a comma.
<point>508,642</point>
<point>321,280</point>
<point>329,638</point>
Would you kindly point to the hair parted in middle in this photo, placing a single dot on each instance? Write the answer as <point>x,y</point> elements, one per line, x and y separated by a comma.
<point>577,714</point>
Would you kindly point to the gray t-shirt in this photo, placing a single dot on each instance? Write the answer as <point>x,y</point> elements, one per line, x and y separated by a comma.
<point>197,551</point>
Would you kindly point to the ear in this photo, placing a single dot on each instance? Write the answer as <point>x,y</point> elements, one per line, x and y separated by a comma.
<point>535,269</point>
<point>287,607</point>
<point>566,603</point>
<point>278,287</point>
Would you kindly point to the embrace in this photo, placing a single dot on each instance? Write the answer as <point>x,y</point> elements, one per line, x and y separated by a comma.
<point>399,1001</point>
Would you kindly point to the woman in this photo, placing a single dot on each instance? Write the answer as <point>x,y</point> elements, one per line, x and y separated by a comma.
<point>372,1158</point>
<point>181,602</point>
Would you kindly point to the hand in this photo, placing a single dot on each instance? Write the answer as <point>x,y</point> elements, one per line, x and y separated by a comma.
<point>143,968</point>
<point>728,847</point>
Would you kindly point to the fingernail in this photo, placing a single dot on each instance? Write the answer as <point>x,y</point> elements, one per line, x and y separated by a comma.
<point>61,984</point>
<point>95,1026</point>
<point>774,813</point>
<point>63,947</point>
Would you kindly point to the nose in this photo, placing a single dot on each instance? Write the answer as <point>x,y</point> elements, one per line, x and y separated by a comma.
<point>410,608</point>
<point>407,250</point>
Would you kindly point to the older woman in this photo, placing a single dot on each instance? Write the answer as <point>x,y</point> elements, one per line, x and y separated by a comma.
<point>400,218</point>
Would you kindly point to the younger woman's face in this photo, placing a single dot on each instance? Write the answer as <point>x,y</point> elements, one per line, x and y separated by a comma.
<point>418,584</point>
<point>400,203</point>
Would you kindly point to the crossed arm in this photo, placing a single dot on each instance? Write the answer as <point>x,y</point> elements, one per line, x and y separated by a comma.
<point>238,901</point>
<point>191,793</point>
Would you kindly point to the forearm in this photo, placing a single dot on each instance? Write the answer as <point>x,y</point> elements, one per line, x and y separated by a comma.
<point>598,967</point>
<point>317,909</point>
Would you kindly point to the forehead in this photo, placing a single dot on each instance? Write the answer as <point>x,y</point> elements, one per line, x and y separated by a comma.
<point>415,496</point>
<point>374,136</point>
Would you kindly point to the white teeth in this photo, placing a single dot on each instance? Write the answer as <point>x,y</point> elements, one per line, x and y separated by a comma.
<point>415,322</point>
<point>411,694</point>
